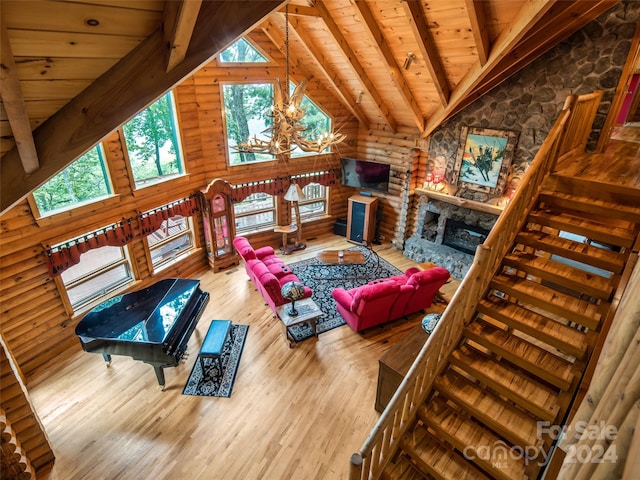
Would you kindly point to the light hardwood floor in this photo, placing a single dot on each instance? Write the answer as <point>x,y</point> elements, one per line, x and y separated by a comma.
<point>295,413</point>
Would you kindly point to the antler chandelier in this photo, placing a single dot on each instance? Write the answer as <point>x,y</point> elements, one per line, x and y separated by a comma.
<point>287,130</point>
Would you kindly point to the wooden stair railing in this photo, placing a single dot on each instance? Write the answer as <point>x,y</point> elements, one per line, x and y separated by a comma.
<point>389,436</point>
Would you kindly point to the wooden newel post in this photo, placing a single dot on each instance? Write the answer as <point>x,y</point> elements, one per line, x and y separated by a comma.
<point>355,467</point>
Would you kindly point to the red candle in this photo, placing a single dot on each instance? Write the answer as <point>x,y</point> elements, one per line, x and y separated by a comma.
<point>429,177</point>
<point>437,178</point>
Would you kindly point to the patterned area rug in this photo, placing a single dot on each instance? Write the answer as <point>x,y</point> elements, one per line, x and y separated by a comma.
<point>216,383</point>
<point>324,278</point>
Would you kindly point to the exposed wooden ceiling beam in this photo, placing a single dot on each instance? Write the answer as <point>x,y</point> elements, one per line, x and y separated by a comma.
<point>338,88</point>
<point>357,66</point>
<point>302,11</point>
<point>178,22</point>
<point>394,69</point>
<point>128,87</point>
<point>526,19</point>
<point>428,48</point>
<point>14,106</point>
<point>475,10</point>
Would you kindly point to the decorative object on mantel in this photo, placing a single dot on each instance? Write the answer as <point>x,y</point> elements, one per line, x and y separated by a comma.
<point>434,181</point>
<point>287,131</point>
<point>483,159</point>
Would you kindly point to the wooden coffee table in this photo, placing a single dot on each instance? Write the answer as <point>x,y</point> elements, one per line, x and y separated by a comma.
<point>308,312</point>
<point>348,257</point>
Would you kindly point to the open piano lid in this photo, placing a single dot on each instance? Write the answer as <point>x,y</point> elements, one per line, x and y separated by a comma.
<point>144,316</point>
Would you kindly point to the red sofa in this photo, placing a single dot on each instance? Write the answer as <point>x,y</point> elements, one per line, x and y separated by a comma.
<point>267,272</point>
<point>387,299</point>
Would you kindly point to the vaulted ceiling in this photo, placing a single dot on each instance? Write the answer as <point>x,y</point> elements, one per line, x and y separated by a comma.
<point>72,71</point>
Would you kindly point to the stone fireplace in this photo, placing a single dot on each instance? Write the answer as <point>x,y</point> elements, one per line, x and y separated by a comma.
<point>448,233</point>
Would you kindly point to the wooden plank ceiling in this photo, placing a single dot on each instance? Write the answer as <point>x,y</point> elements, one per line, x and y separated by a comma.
<point>74,70</point>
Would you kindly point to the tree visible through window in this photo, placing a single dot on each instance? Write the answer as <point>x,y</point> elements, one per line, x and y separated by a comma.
<point>241,51</point>
<point>84,180</point>
<point>152,142</point>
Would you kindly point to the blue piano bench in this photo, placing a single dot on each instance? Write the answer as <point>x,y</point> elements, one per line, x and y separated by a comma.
<point>214,340</point>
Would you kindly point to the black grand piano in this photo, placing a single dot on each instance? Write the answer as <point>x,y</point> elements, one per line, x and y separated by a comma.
<point>153,324</point>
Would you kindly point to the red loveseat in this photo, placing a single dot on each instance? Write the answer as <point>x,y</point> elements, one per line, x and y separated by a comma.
<point>267,272</point>
<point>387,299</point>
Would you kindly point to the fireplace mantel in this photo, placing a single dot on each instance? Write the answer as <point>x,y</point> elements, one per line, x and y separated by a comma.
<point>461,202</point>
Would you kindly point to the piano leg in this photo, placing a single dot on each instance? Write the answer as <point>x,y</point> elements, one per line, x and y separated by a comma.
<point>107,358</point>
<point>159,375</point>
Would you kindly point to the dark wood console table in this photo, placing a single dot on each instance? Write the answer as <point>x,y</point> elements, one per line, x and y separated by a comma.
<point>394,365</point>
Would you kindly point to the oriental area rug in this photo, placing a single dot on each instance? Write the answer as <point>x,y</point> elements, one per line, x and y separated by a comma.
<point>322,279</point>
<point>216,382</point>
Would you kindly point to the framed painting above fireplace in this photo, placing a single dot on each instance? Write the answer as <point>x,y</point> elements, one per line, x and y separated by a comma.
<point>483,159</point>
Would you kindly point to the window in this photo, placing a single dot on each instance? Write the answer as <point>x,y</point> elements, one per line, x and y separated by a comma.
<point>315,202</point>
<point>84,181</point>
<point>244,111</point>
<point>255,212</point>
<point>241,52</point>
<point>172,239</point>
<point>246,108</point>
<point>316,122</point>
<point>100,272</point>
<point>153,143</point>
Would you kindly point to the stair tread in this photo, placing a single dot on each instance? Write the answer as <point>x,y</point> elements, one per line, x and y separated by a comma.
<point>568,276</point>
<point>595,205</point>
<point>551,300</point>
<point>535,360</point>
<point>567,339</point>
<point>502,417</point>
<point>526,392</point>
<point>578,251</point>
<point>401,469</point>
<point>593,188</point>
<point>436,459</point>
<point>602,232</point>
<point>470,439</point>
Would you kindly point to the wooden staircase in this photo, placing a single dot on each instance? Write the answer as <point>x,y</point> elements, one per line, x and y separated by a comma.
<point>515,371</point>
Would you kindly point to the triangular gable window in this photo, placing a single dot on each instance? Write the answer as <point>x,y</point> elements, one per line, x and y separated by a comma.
<point>241,52</point>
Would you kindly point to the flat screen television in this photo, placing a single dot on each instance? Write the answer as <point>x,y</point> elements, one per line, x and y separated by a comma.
<point>364,174</point>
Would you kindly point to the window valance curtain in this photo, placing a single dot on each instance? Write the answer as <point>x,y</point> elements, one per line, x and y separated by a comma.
<point>66,255</point>
<point>152,220</point>
<point>279,185</point>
